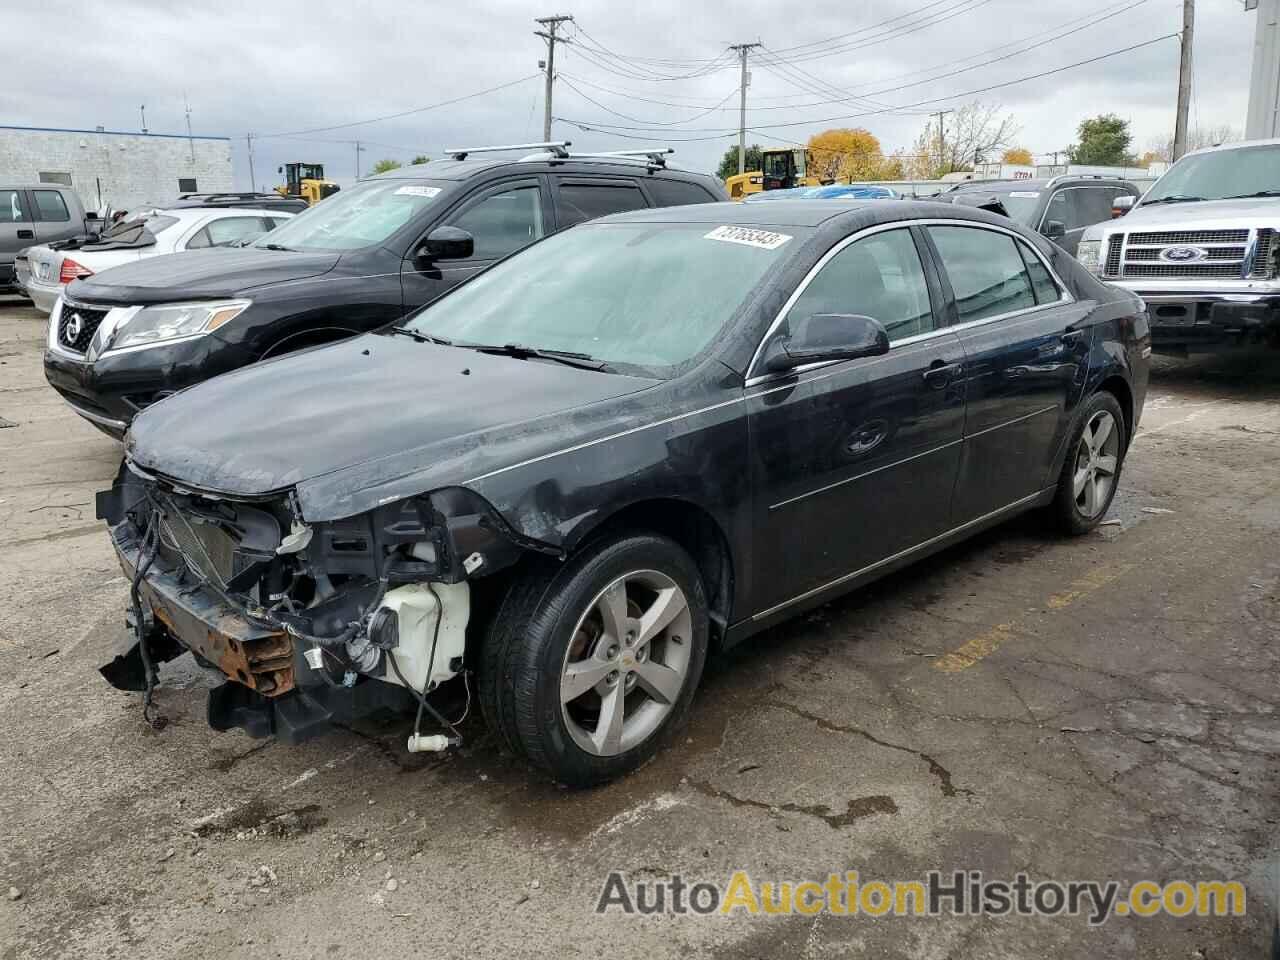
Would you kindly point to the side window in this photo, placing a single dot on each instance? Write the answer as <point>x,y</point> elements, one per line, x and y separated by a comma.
<point>880,277</point>
<point>1062,207</point>
<point>586,201</point>
<point>1042,282</point>
<point>676,193</point>
<point>51,206</point>
<point>12,209</point>
<point>503,222</point>
<point>986,272</point>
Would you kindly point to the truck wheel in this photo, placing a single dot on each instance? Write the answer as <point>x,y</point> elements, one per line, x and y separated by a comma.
<point>1091,472</point>
<point>588,671</point>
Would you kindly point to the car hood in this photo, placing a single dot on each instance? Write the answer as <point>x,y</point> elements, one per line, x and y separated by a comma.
<point>1211,214</point>
<point>199,275</point>
<point>364,414</point>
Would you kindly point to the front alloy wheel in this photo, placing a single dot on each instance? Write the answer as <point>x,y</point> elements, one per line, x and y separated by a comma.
<point>587,669</point>
<point>627,663</point>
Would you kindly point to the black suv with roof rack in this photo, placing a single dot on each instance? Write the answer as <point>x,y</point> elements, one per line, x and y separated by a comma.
<point>257,201</point>
<point>1059,207</point>
<point>132,335</point>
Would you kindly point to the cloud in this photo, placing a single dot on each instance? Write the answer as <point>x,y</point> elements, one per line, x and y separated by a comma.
<point>269,68</point>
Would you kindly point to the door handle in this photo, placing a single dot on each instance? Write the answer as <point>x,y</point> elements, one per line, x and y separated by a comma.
<point>940,373</point>
<point>26,234</point>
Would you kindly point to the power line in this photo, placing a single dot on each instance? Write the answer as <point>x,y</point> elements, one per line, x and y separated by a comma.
<point>402,113</point>
<point>918,103</point>
<point>657,123</point>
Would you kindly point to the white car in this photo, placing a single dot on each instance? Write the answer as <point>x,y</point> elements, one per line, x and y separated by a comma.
<point>43,271</point>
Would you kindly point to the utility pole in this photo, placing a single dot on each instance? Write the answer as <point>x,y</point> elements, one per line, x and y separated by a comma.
<point>552,24</point>
<point>743,49</point>
<point>1263,119</point>
<point>143,110</point>
<point>248,142</point>
<point>358,149</point>
<point>1184,79</point>
<point>942,140</point>
<point>190,142</point>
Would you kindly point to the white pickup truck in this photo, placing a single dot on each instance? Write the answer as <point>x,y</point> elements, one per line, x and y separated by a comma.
<point>1202,248</point>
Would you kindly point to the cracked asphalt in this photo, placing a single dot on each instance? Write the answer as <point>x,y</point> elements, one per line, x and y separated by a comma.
<point>1100,708</point>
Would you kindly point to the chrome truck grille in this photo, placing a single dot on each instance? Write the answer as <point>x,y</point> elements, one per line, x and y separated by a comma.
<point>1191,254</point>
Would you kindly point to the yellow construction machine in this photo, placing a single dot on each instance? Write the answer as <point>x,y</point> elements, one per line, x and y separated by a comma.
<point>306,180</point>
<point>783,169</point>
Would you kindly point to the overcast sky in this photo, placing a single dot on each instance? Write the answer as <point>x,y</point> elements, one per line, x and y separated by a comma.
<point>282,68</point>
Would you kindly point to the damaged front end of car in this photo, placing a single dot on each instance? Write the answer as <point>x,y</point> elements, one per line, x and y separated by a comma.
<point>310,623</point>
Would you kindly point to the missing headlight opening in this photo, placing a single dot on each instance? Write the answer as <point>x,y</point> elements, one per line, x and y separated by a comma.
<point>310,623</point>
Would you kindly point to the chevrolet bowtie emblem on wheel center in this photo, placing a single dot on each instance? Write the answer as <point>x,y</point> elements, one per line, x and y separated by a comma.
<point>74,326</point>
<point>1184,254</point>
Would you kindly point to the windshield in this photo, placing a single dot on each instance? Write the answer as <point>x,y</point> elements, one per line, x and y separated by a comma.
<point>1221,174</point>
<point>360,217</point>
<point>1021,205</point>
<point>643,297</point>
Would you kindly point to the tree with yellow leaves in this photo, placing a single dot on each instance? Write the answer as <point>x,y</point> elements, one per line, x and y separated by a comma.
<point>845,155</point>
<point>1018,155</point>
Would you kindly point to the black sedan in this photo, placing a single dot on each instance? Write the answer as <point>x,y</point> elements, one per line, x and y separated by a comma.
<point>637,441</point>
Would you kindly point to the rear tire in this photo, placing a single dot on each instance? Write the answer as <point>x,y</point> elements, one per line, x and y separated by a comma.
<point>587,670</point>
<point>1091,473</point>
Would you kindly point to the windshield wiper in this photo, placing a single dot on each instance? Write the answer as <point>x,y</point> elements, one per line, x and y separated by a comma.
<point>1249,196</point>
<point>569,358</point>
<point>1172,198</point>
<point>276,246</point>
<point>419,336</point>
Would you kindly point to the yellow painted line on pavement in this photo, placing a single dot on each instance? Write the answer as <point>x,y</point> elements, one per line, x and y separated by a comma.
<point>985,644</point>
<point>964,657</point>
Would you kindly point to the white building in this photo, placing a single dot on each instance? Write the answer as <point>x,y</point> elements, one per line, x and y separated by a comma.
<point>125,170</point>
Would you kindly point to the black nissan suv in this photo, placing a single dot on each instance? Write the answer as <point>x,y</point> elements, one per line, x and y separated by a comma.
<point>132,335</point>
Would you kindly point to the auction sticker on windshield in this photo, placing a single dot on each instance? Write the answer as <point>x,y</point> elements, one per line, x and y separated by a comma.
<point>764,239</point>
<point>414,190</point>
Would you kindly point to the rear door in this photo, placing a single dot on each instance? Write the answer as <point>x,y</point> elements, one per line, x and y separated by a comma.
<point>580,198</point>
<point>855,461</point>
<point>1026,358</point>
<point>502,218</point>
<point>17,229</point>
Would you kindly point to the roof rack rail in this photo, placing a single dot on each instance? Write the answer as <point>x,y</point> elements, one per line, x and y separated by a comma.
<point>226,193</point>
<point>1084,176</point>
<point>655,155</point>
<point>557,147</point>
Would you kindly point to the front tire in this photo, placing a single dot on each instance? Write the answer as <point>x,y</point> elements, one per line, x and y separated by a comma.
<point>587,671</point>
<point>1091,473</point>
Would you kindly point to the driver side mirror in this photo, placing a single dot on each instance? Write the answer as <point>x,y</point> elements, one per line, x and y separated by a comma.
<point>826,336</point>
<point>447,243</point>
<point>1122,205</point>
<point>1054,229</point>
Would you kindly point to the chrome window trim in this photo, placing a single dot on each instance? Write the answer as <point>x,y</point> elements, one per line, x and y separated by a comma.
<point>1065,295</point>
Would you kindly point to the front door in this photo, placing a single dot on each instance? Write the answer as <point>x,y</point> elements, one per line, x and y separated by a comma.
<point>502,219</point>
<point>855,461</point>
<point>1026,358</point>
<point>17,229</point>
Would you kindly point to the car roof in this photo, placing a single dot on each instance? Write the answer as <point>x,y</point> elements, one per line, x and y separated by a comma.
<point>199,213</point>
<point>802,213</point>
<point>449,169</point>
<point>1237,145</point>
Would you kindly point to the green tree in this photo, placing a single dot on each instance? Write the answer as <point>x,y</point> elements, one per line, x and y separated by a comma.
<point>420,158</point>
<point>729,162</point>
<point>1104,141</point>
<point>382,166</point>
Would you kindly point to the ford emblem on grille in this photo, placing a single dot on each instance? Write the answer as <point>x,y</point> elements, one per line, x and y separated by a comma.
<point>74,327</point>
<point>1184,254</point>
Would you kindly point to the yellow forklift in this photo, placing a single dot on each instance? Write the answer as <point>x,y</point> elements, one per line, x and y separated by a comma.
<point>306,180</point>
<point>783,169</point>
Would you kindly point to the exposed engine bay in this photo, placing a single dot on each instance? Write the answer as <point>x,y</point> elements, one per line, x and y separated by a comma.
<point>309,623</point>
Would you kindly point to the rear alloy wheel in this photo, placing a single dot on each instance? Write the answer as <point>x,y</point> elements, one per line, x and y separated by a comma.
<point>590,668</point>
<point>1091,473</point>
